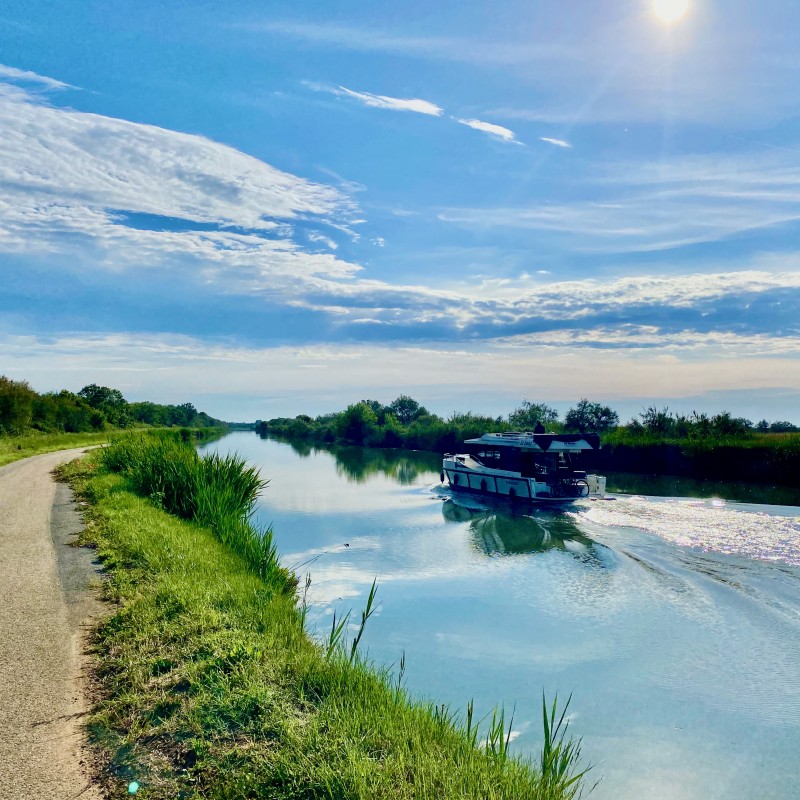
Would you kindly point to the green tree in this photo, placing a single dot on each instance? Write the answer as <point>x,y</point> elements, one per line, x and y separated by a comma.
<point>357,422</point>
<point>16,405</point>
<point>406,409</point>
<point>658,423</point>
<point>109,401</point>
<point>781,426</point>
<point>590,417</point>
<point>528,415</point>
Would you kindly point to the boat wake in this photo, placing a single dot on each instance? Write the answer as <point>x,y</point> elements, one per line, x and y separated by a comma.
<point>711,525</point>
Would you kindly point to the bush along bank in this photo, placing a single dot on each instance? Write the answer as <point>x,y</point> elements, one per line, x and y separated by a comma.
<point>208,684</point>
<point>767,458</point>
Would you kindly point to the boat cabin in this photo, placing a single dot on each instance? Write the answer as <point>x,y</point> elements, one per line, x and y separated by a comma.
<point>542,456</point>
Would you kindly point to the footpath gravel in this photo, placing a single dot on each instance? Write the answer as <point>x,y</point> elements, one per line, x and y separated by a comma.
<point>45,605</point>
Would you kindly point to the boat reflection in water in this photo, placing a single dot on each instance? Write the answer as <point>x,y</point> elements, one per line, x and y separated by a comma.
<point>502,529</point>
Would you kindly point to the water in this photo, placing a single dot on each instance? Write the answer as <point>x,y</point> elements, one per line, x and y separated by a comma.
<point>673,622</point>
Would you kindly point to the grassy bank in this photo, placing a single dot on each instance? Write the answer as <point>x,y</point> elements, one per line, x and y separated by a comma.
<point>34,443</point>
<point>13,448</point>
<point>208,685</point>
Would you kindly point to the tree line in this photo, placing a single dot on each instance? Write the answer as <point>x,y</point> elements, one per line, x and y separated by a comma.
<point>93,408</point>
<point>406,423</point>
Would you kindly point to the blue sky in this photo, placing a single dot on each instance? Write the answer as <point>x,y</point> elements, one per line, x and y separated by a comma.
<point>275,208</point>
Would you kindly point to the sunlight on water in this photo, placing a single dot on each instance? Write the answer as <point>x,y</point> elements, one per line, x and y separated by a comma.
<point>711,525</point>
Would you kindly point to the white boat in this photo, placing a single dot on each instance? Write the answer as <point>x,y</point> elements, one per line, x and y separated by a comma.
<point>532,467</point>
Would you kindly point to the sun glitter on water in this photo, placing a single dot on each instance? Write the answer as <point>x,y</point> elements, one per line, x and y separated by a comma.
<point>670,11</point>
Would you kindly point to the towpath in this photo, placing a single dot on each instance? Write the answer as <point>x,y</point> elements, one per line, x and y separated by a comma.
<point>45,603</point>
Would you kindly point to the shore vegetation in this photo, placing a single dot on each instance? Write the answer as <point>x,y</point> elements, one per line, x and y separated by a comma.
<point>209,685</point>
<point>33,423</point>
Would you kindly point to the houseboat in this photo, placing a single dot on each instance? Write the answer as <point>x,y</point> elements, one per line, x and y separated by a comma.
<point>539,468</point>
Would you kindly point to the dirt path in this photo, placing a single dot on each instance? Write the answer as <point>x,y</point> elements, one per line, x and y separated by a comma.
<point>44,604</point>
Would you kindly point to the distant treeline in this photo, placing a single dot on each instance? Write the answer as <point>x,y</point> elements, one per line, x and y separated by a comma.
<point>406,423</point>
<point>658,441</point>
<point>93,408</point>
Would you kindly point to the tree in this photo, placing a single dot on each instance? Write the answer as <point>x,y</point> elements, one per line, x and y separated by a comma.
<point>590,417</point>
<point>406,409</point>
<point>16,405</point>
<point>528,415</point>
<point>660,423</point>
<point>356,423</point>
<point>109,401</point>
<point>724,424</point>
<point>782,426</point>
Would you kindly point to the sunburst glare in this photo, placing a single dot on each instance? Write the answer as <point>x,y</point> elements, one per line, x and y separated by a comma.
<point>670,10</point>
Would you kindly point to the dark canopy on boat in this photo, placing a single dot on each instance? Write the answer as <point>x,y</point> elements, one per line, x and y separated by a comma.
<point>539,441</point>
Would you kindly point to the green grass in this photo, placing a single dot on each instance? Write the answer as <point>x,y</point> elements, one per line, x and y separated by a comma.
<point>13,448</point>
<point>208,685</point>
<point>34,443</point>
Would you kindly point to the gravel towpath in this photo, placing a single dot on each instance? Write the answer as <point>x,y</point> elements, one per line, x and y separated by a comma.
<point>45,605</point>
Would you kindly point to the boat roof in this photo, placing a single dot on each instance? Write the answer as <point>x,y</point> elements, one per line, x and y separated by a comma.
<point>540,442</point>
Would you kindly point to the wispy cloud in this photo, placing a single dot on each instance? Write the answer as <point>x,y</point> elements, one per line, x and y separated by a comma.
<point>392,103</point>
<point>318,238</point>
<point>25,76</point>
<point>556,142</point>
<point>649,207</point>
<point>487,127</point>
<point>72,182</point>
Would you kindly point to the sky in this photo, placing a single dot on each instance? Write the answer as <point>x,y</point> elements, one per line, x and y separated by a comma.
<point>275,208</point>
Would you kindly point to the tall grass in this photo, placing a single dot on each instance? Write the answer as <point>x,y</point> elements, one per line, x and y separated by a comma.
<point>213,490</point>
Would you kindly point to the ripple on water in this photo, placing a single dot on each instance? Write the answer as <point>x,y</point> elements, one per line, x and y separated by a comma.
<point>709,525</point>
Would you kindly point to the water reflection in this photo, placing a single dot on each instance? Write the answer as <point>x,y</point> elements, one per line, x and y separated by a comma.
<point>358,464</point>
<point>506,531</point>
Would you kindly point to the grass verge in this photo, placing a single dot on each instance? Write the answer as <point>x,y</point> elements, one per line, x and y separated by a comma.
<point>34,443</point>
<point>209,687</point>
<point>13,448</point>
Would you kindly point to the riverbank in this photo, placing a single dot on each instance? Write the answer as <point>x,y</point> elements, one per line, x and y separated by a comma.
<point>209,685</point>
<point>14,448</point>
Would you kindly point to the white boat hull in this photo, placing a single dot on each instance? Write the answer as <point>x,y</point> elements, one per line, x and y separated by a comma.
<point>466,475</point>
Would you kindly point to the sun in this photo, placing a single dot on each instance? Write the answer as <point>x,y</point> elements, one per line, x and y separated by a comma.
<point>670,10</point>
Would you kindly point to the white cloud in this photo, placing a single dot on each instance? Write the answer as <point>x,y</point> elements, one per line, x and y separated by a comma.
<point>25,76</point>
<point>487,127</point>
<point>556,142</point>
<point>75,158</point>
<point>319,238</point>
<point>71,180</point>
<point>393,103</point>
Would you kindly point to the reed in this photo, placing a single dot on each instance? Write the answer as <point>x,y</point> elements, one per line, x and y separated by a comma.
<point>561,755</point>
